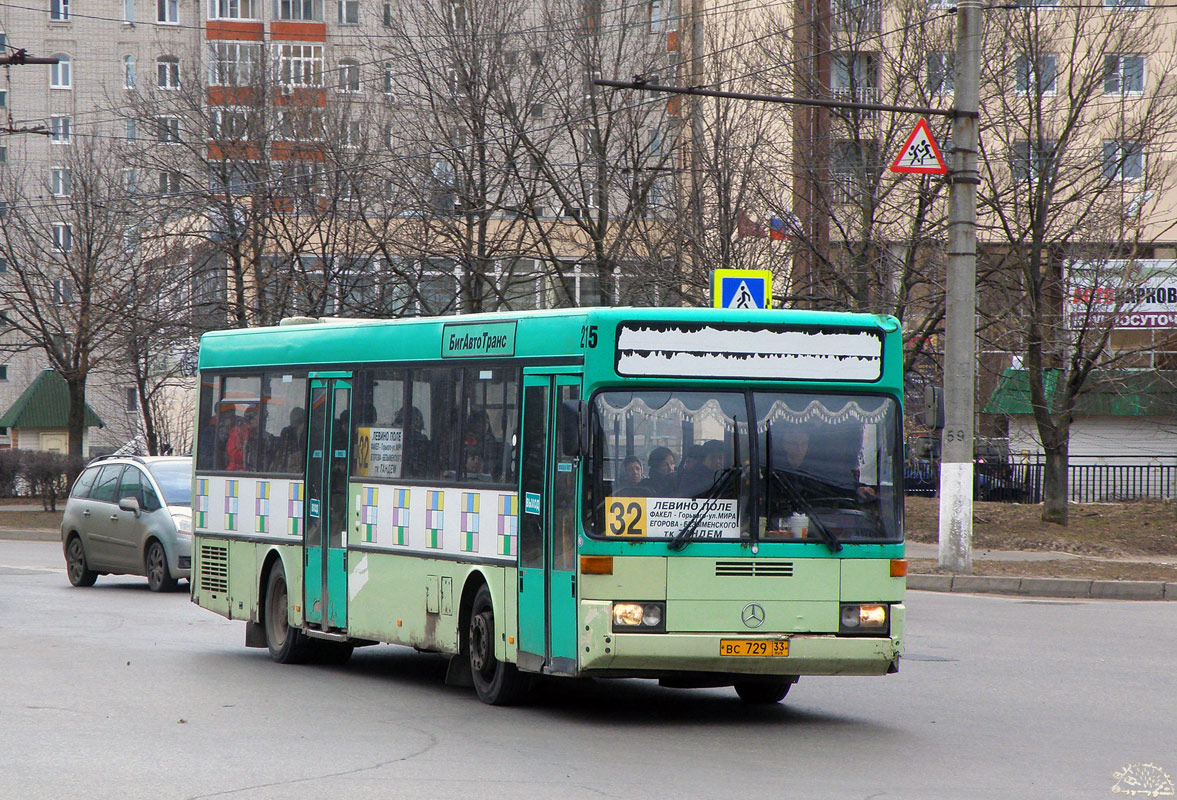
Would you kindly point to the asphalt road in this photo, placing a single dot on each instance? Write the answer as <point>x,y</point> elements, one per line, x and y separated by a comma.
<point>115,692</point>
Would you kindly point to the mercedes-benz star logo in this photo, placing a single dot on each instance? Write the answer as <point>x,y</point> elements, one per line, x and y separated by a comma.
<point>753,615</point>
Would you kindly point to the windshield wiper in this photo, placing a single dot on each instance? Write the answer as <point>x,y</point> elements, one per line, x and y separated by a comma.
<point>708,496</point>
<point>791,491</point>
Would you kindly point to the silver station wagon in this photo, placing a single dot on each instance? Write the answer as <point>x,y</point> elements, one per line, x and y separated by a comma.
<point>130,516</point>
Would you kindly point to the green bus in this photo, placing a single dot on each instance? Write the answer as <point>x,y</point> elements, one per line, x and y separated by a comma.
<point>700,496</point>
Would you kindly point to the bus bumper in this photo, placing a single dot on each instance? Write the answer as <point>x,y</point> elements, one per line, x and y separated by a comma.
<point>646,654</point>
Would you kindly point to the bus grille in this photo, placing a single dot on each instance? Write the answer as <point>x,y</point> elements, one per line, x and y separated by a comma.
<point>753,569</point>
<point>214,568</point>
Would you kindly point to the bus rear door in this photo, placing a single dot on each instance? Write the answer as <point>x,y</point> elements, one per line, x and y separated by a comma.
<point>325,510</point>
<point>547,527</point>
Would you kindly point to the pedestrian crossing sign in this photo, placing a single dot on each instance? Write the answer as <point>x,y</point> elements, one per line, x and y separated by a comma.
<point>741,288</point>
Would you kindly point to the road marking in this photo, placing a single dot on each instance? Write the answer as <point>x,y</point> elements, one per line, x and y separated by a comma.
<point>32,569</point>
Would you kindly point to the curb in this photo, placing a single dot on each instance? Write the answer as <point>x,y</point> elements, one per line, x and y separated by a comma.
<point>35,535</point>
<point>1045,587</point>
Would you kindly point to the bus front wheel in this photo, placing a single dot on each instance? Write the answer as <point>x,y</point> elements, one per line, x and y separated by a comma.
<point>763,692</point>
<point>287,645</point>
<point>496,682</point>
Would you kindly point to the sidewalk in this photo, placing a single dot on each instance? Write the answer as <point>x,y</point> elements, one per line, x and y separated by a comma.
<point>1037,587</point>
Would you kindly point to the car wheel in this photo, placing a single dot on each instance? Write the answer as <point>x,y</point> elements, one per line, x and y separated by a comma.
<point>763,692</point>
<point>496,682</point>
<point>159,578</point>
<point>76,567</point>
<point>287,645</point>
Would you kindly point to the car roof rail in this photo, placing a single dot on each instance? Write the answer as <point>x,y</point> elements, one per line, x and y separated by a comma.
<point>109,456</point>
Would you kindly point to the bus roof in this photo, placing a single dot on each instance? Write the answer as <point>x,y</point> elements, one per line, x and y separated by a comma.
<point>549,334</point>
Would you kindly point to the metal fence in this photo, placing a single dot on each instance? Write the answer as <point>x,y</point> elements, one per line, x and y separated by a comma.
<point>1130,478</point>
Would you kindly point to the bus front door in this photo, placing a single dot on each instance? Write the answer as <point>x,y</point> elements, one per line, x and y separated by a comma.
<point>547,526</point>
<point>325,509</point>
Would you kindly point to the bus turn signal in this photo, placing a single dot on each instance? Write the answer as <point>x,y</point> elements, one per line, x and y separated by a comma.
<point>898,567</point>
<point>596,565</point>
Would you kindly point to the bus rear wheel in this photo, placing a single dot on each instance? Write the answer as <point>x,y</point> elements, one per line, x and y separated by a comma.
<point>763,692</point>
<point>496,682</point>
<point>287,645</point>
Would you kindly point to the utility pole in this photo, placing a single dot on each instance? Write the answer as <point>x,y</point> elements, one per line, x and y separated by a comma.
<point>811,146</point>
<point>960,326</point>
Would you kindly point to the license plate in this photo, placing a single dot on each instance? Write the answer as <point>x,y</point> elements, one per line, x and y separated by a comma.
<point>763,648</point>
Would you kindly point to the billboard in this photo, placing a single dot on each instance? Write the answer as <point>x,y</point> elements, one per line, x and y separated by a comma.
<point>1130,293</point>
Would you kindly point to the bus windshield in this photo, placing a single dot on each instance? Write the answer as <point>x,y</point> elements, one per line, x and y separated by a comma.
<point>675,465</point>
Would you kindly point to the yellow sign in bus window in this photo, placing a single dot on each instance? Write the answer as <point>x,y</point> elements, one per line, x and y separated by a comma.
<point>625,516</point>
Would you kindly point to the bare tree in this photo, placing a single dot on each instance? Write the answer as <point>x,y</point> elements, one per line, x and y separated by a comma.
<point>1072,171</point>
<point>64,235</point>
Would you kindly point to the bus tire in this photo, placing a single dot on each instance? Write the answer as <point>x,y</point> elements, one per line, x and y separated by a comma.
<point>287,645</point>
<point>497,683</point>
<point>763,692</point>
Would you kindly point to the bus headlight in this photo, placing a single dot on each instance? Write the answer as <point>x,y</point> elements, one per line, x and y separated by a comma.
<point>639,616</point>
<point>863,618</point>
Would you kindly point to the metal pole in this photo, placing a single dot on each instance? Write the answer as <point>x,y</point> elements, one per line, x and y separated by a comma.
<point>960,352</point>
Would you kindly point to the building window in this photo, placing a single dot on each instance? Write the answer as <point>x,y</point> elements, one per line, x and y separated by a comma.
<point>60,129</point>
<point>60,182</point>
<point>1129,4</point>
<point>60,74</point>
<point>167,11</point>
<point>300,10</point>
<point>129,11</point>
<point>63,291</point>
<point>132,130</point>
<point>3,265</point>
<point>300,64</point>
<point>232,9</point>
<point>389,79</point>
<point>349,12</point>
<point>458,20</point>
<point>857,15</point>
<point>1123,74</point>
<point>855,77</point>
<point>130,180</point>
<point>230,124</point>
<point>3,98</point>
<point>233,63</point>
<point>940,67</point>
<point>169,182</point>
<point>132,399</point>
<point>63,238</point>
<point>1032,164</point>
<point>128,72</point>
<point>1123,160</point>
<point>349,76</point>
<point>59,10</point>
<point>662,16</point>
<point>3,377</point>
<point>167,72</point>
<point>852,169</point>
<point>3,154</point>
<point>167,130</point>
<point>1039,74</point>
<point>352,134</point>
<point>388,15</point>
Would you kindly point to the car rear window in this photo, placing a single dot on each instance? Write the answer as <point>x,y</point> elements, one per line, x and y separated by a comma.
<point>175,481</point>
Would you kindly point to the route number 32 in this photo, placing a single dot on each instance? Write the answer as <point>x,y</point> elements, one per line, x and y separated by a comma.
<point>625,516</point>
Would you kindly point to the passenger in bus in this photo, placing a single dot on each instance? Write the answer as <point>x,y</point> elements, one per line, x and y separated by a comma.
<point>291,447</point>
<point>631,484</point>
<point>817,475</point>
<point>661,481</point>
<point>480,439</point>
<point>418,460</point>
<point>241,444</point>
<point>702,468</point>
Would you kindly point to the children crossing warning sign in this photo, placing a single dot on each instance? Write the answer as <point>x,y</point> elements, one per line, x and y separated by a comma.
<point>920,155</point>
